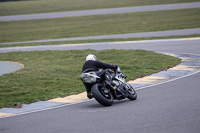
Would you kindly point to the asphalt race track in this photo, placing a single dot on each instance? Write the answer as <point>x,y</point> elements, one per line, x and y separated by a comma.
<point>117,36</point>
<point>169,107</point>
<point>101,11</point>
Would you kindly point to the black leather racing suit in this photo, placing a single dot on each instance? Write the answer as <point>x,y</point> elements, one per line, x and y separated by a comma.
<point>94,66</point>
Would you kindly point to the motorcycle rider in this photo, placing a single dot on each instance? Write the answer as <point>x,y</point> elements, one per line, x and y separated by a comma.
<point>92,64</point>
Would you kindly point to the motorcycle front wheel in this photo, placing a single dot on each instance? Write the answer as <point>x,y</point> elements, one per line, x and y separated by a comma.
<point>102,95</point>
<point>132,95</point>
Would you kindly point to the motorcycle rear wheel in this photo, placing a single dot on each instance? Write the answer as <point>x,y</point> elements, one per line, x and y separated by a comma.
<point>102,95</point>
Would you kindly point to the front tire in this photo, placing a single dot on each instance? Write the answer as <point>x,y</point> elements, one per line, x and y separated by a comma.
<point>102,95</point>
<point>132,95</point>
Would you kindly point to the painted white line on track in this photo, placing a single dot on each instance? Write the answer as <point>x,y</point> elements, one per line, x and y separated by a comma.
<point>168,81</point>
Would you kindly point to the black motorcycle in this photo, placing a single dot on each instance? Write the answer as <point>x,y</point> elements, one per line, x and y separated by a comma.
<point>108,85</point>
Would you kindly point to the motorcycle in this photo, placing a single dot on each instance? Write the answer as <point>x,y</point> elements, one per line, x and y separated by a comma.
<point>108,85</point>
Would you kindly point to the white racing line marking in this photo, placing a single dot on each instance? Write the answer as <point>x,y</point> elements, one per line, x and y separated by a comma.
<point>68,104</point>
<point>174,78</point>
<point>167,81</point>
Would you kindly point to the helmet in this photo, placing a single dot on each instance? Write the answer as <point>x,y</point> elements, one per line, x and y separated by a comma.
<point>91,57</point>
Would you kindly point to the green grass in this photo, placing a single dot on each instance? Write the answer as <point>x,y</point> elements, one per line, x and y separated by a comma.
<point>41,6</point>
<point>97,41</point>
<point>99,25</point>
<point>50,74</point>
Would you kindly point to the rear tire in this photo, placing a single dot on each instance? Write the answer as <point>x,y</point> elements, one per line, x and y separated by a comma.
<point>101,95</point>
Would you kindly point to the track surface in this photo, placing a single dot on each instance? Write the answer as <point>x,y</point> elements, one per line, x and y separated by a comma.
<point>117,36</point>
<point>101,11</point>
<point>169,107</point>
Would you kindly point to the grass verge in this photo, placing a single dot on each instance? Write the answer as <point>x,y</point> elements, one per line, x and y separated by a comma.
<point>43,6</point>
<point>98,25</point>
<point>50,74</point>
